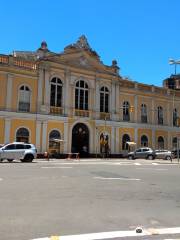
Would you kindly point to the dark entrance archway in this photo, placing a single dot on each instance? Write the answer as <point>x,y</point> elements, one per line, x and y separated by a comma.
<point>80,139</point>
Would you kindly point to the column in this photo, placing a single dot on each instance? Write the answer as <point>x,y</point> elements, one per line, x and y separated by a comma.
<point>40,88</point>
<point>38,136</point>
<point>113,96</point>
<point>97,99</point>
<point>153,139</point>
<point>169,141</point>
<point>7,130</point>
<point>117,140</point>
<point>66,140</point>
<point>152,113</point>
<point>66,91</point>
<point>44,136</point>
<point>9,91</point>
<point>135,108</point>
<point>47,90</point>
<point>112,140</point>
<point>136,136</point>
<point>117,109</point>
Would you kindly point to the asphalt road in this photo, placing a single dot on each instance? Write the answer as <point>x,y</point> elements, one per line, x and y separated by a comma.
<point>59,197</point>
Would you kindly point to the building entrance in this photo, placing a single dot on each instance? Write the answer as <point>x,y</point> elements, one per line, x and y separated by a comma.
<point>80,140</point>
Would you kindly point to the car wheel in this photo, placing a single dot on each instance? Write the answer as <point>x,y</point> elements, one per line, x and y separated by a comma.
<point>130,157</point>
<point>28,158</point>
<point>168,158</point>
<point>10,160</point>
<point>150,157</point>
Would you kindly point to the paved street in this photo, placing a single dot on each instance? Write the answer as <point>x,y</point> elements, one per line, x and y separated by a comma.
<point>62,197</point>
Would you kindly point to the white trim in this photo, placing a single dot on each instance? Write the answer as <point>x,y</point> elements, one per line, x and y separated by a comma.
<point>22,75</point>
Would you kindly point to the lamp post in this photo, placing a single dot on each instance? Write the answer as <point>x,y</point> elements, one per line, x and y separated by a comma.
<point>174,62</point>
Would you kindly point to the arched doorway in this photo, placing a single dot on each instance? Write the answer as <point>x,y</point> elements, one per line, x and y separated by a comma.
<point>80,139</point>
<point>22,135</point>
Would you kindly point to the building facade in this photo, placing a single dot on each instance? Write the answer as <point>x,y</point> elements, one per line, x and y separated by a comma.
<point>72,102</point>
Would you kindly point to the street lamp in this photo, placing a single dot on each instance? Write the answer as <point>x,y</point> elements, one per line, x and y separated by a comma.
<point>174,62</point>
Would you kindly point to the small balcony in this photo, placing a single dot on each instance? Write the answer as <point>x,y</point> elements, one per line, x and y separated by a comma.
<point>104,116</point>
<point>82,113</point>
<point>56,110</point>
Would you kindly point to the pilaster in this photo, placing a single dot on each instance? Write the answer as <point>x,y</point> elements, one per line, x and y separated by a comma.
<point>112,140</point>
<point>44,136</point>
<point>38,136</point>
<point>9,91</point>
<point>7,130</point>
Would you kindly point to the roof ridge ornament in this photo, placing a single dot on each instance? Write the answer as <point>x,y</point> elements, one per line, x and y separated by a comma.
<point>82,43</point>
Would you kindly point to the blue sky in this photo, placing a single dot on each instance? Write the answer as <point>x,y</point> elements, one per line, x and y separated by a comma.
<point>140,34</point>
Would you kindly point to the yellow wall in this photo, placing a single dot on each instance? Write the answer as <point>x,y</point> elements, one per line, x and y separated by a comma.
<point>3,82</point>
<point>29,124</point>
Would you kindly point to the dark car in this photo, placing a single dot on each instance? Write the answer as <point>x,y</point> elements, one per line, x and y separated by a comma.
<point>175,153</point>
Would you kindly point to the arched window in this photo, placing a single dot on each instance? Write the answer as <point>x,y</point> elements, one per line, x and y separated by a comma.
<point>160,115</point>
<point>175,116</point>
<point>22,135</point>
<point>104,99</point>
<point>56,93</point>
<point>54,141</point>
<point>126,116</point>
<point>125,139</point>
<point>144,141</point>
<point>143,113</point>
<point>160,142</point>
<point>24,99</point>
<point>81,95</point>
<point>174,143</point>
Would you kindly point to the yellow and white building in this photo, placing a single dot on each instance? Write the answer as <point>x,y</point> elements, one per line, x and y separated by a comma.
<point>70,101</point>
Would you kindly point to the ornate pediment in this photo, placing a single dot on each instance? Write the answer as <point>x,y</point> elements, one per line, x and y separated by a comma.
<point>81,55</point>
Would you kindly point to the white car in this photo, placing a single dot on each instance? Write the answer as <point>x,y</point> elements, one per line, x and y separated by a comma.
<point>163,154</point>
<point>25,152</point>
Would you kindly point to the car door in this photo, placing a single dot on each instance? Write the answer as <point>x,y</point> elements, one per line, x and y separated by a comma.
<point>138,153</point>
<point>8,151</point>
<point>19,154</point>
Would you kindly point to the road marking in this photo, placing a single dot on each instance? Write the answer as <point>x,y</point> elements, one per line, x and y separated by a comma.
<point>57,167</point>
<point>1,179</point>
<point>154,169</point>
<point>115,234</point>
<point>155,163</point>
<point>117,178</point>
<point>137,163</point>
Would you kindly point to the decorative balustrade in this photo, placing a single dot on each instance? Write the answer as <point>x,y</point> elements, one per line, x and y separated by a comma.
<point>4,59</point>
<point>82,113</point>
<point>25,64</point>
<point>104,115</point>
<point>56,110</point>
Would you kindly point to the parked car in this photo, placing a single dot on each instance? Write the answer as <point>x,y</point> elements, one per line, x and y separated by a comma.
<point>163,154</point>
<point>18,150</point>
<point>175,153</point>
<point>143,152</point>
